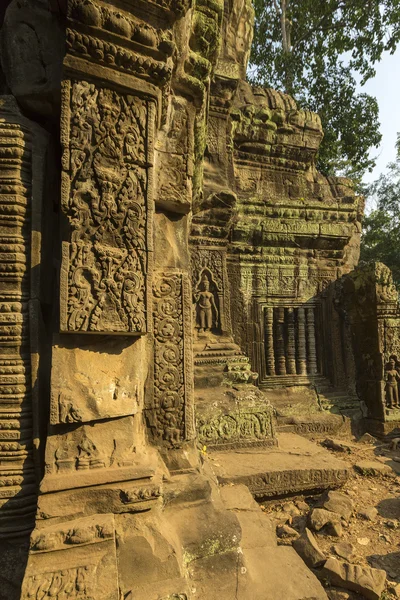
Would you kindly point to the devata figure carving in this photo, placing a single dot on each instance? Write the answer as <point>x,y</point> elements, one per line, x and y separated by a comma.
<point>392,389</point>
<point>207,312</point>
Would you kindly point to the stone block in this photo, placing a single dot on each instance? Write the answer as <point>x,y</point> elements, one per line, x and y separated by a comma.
<point>363,580</point>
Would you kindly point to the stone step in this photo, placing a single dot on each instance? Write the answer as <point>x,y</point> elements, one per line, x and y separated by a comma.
<point>295,466</point>
<point>287,577</point>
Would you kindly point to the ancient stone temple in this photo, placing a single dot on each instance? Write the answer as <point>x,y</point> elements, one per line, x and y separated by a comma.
<point>177,279</point>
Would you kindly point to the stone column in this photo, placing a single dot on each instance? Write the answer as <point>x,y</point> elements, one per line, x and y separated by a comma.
<point>311,346</point>
<point>280,341</point>
<point>269,340</point>
<point>291,347</point>
<point>301,343</point>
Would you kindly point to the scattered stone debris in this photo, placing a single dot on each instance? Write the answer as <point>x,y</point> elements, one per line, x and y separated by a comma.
<point>368,511</point>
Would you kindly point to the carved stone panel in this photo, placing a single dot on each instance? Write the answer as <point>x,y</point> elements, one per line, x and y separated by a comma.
<point>106,197</point>
<point>172,411</point>
<point>90,383</point>
<point>82,563</point>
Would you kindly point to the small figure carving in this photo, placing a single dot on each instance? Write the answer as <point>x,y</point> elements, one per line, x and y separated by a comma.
<point>392,378</point>
<point>172,432</point>
<point>205,307</point>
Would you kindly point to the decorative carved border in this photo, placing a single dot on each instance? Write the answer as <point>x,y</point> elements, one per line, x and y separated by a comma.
<point>173,409</point>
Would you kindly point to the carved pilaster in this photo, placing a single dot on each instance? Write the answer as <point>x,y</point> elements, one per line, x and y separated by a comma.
<point>291,347</point>
<point>269,340</point>
<point>280,340</point>
<point>21,154</point>
<point>311,345</point>
<point>301,343</point>
<point>172,410</point>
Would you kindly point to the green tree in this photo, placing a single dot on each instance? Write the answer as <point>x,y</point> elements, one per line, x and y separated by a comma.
<point>380,239</point>
<point>314,50</point>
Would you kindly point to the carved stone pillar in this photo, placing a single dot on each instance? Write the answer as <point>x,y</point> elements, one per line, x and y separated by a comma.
<point>311,345</point>
<point>269,339</point>
<point>291,347</point>
<point>301,343</point>
<point>280,341</point>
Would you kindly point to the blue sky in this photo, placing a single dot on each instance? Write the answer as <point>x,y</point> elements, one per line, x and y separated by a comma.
<point>386,88</point>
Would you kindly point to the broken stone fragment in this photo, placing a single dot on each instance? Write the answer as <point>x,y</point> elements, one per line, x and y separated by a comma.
<point>367,438</point>
<point>307,547</point>
<point>337,594</point>
<point>302,506</point>
<point>290,509</point>
<point>337,445</point>
<point>330,521</point>
<point>284,531</point>
<point>344,550</point>
<point>337,503</point>
<point>363,580</point>
<point>369,514</point>
<point>372,468</point>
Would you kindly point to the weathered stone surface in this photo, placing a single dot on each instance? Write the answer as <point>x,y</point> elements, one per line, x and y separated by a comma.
<point>364,580</point>
<point>287,576</point>
<point>32,49</point>
<point>307,547</point>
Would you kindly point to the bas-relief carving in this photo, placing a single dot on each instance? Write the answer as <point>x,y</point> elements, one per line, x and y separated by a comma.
<point>392,379</point>
<point>171,411</point>
<point>91,383</point>
<point>95,453</point>
<point>106,197</point>
<point>83,561</point>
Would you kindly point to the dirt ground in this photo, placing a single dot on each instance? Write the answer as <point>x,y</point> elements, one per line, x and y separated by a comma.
<point>375,542</point>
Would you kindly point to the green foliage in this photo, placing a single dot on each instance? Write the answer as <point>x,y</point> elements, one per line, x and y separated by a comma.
<point>381,228</point>
<point>314,50</point>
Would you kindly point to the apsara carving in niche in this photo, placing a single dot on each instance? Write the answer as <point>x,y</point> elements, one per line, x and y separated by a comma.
<point>207,311</point>
<point>105,198</point>
<point>392,386</point>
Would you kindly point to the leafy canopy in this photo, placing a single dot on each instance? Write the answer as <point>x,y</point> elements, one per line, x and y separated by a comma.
<point>381,228</point>
<point>314,50</point>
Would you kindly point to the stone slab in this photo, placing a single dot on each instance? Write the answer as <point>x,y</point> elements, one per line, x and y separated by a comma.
<point>296,465</point>
<point>278,573</point>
